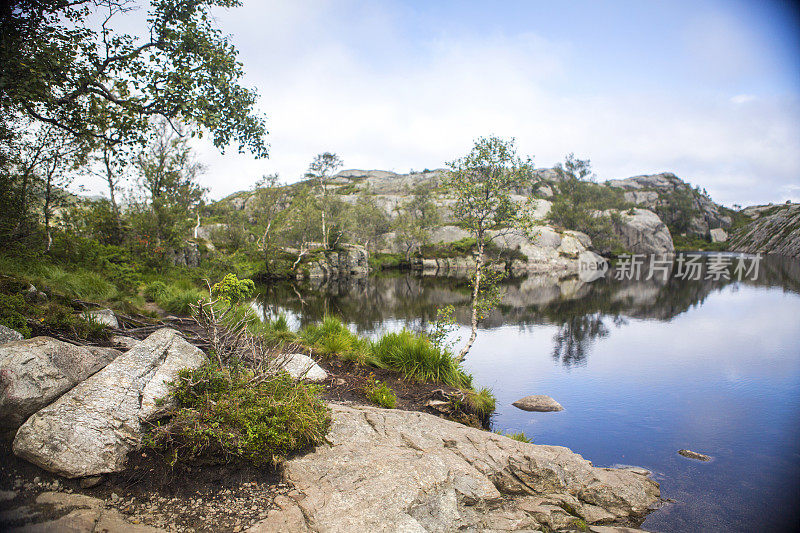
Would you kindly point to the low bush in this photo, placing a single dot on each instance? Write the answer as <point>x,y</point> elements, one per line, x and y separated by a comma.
<point>379,393</point>
<point>13,312</point>
<point>225,414</point>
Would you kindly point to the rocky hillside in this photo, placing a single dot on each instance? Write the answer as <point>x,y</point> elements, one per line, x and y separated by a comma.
<point>773,229</point>
<point>683,208</point>
<point>546,248</point>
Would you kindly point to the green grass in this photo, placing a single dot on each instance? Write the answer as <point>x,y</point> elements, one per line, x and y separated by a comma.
<point>691,243</point>
<point>220,413</point>
<point>419,359</point>
<point>379,393</point>
<point>482,402</point>
<point>73,282</point>
<point>331,338</point>
<point>519,436</point>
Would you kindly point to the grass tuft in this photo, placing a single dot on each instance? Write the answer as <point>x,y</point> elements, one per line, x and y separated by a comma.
<point>419,359</point>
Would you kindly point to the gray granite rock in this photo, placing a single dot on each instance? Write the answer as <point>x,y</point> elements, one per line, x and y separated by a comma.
<point>90,429</point>
<point>538,402</point>
<point>394,470</point>
<point>34,372</point>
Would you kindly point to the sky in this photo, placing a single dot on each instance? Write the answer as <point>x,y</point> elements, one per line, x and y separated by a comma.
<point>709,90</point>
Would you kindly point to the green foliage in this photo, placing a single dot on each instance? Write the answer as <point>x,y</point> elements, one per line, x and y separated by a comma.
<point>104,84</point>
<point>482,402</point>
<point>180,301</point>
<point>226,413</point>
<point>155,291</point>
<point>331,337</point>
<point>383,261</point>
<point>579,203</point>
<point>518,436</point>
<point>13,310</point>
<point>418,359</point>
<point>676,208</point>
<point>233,290</point>
<point>693,243</point>
<point>379,393</point>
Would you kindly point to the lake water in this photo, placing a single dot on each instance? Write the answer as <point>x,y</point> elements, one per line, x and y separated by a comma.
<point>642,368</point>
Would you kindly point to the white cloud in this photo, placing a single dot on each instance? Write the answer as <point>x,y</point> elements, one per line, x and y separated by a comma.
<point>743,98</point>
<point>341,77</point>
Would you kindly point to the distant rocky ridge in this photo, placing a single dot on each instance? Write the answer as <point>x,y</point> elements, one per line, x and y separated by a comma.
<point>773,229</point>
<point>546,248</point>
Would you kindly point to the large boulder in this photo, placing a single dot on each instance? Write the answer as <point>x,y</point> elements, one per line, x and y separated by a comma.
<point>390,470</point>
<point>642,232</point>
<point>36,371</point>
<point>91,429</point>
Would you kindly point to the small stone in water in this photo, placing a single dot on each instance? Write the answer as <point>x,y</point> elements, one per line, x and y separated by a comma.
<point>694,455</point>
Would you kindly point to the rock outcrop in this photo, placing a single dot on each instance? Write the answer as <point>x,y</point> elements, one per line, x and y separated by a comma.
<point>187,255</point>
<point>36,371</point>
<point>642,232</point>
<point>389,470</point>
<point>348,260</point>
<point>773,230</point>
<point>666,189</point>
<point>90,429</point>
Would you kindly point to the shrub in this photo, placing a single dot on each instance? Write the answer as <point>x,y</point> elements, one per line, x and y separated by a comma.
<point>222,413</point>
<point>13,310</point>
<point>379,393</point>
<point>418,358</point>
<point>155,291</point>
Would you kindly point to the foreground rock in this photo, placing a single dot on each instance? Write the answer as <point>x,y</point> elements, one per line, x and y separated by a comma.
<point>301,366</point>
<point>388,470</point>
<point>9,335</point>
<point>538,402</point>
<point>91,429</point>
<point>694,455</point>
<point>36,371</point>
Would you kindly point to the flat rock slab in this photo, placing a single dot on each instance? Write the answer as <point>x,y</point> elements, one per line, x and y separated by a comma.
<point>8,335</point>
<point>538,402</point>
<point>34,372</point>
<point>694,455</point>
<point>391,470</point>
<point>90,430</point>
<point>301,366</point>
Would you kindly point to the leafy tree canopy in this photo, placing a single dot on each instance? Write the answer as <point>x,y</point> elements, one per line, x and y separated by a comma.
<point>65,63</point>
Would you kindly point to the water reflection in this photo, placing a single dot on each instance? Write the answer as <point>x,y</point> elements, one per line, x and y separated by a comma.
<point>582,312</point>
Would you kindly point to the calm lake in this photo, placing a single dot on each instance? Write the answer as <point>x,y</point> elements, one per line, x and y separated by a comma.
<point>642,368</point>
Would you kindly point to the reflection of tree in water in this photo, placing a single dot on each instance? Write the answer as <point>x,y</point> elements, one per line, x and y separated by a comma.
<point>576,335</point>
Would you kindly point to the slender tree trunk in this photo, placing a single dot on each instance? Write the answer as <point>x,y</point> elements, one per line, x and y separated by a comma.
<point>48,189</point>
<point>476,287</point>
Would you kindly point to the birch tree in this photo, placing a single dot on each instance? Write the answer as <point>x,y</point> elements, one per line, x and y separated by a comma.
<point>481,183</point>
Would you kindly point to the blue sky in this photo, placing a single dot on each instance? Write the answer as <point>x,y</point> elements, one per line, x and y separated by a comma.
<point>709,90</point>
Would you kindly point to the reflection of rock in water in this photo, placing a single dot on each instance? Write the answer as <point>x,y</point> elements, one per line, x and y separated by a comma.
<point>581,311</point>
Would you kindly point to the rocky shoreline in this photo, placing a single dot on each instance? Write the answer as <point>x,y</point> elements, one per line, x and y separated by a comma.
<point>380,470</point>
